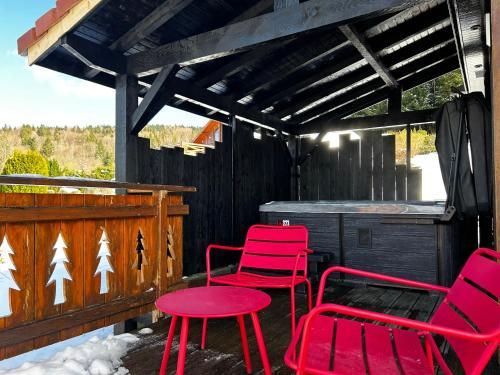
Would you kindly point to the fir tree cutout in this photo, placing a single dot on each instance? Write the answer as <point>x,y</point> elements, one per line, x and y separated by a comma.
<point>104,266</point>
<point>7,280</point>
<point>141,260</point>
<point>60,272</point>
<point>170,252</point>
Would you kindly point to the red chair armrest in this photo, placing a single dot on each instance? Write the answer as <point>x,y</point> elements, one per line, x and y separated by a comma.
<point>218,247</point>
<point>375,276</point>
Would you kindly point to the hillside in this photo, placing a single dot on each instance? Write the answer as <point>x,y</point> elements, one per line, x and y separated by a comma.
<point>80,151</point>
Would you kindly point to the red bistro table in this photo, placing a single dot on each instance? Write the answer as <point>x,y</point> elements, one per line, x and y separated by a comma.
<point>214,302</point>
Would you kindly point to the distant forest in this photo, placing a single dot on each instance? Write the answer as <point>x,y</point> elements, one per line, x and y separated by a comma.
<point>89,151</point>
<point>75,151</point>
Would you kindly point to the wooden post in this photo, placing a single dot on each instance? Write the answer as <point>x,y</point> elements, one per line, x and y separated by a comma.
<point>408,155</point>
<point>395,101</point>
<point>233,124</point>
<point>495,99</point>
<point>126,168</point>
<point>294,147</point>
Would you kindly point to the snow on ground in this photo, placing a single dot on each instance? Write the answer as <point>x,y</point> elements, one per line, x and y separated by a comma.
<point>97,356</point>
<point>432,180</point>
<point>145,331</point>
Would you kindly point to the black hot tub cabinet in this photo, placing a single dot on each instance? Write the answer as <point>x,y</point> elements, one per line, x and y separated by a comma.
<point>403,239</point>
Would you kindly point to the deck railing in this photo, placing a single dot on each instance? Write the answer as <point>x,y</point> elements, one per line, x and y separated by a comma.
<point>71,263</point>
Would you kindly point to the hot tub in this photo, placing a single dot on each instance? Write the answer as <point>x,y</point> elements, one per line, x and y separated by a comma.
<point>403,239</point>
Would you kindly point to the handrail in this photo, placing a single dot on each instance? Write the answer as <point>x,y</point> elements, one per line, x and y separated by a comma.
<point>37,180</point>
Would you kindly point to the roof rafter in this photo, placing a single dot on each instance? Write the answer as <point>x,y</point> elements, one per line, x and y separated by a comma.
<point>305,99</point>
<point>401,73</point>
<point>349,108</point>
<point>149,24</point>
<point>242,35</point>
<point>360,43</point>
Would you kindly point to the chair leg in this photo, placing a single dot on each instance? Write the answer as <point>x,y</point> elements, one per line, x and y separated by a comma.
<point>309,295</point>
<point>244,343</point>
<point>204,334</point>
<point>261,344</point>
<point>292,303</point>
<point>168,345</point>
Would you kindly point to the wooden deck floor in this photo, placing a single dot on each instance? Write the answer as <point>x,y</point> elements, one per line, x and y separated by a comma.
<point>223,354</point>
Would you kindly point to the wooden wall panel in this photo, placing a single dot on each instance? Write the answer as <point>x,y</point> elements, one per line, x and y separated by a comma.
<point>377,166</point>
<point>389,167</point>
<point>365,172</point>
<point>360,169</point>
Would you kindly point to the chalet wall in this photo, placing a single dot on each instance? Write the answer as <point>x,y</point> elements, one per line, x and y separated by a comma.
<point>362,169</point>
<point>220,212</point>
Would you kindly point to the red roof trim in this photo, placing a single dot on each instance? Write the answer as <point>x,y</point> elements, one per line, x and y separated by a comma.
<point>43,23</point>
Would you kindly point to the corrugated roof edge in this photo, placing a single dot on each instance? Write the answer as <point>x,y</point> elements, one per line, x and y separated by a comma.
<point>43,23</point>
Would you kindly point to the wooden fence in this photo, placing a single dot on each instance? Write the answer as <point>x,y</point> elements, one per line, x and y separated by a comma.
<point>73,263</point>
<point>361,169</point>
<point>233,179</point>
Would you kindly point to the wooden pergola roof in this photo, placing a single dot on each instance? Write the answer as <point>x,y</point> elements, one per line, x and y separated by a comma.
<point>293,67</point>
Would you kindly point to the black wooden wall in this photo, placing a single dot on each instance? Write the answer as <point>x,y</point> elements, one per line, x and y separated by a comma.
<point>220,212</point>
<point>362,169</point>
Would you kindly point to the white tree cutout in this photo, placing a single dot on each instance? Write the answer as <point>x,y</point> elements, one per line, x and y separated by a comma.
<point>7,280</point>
<point>60,272</point>
<point>104,266</point>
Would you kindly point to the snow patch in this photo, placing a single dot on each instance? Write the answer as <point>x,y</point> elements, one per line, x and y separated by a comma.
<point>94,357</point>
<point>145,331</point>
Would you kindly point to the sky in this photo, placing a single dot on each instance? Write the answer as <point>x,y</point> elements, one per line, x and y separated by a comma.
<point>35,95</point>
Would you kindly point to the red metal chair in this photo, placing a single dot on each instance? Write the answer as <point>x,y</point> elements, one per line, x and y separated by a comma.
<point>268,248</point>
<point>468,317</point>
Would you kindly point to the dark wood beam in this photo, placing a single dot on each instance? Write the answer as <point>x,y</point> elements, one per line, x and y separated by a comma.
<point>158,17</point>
<point>242,35</point>
<point>225,103</point>
<point>200,111</point>
<point>248,58</point>
<point>94,56</point>
<point>370,122</point>
<point>154,99</point>
<point>359,42</point>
